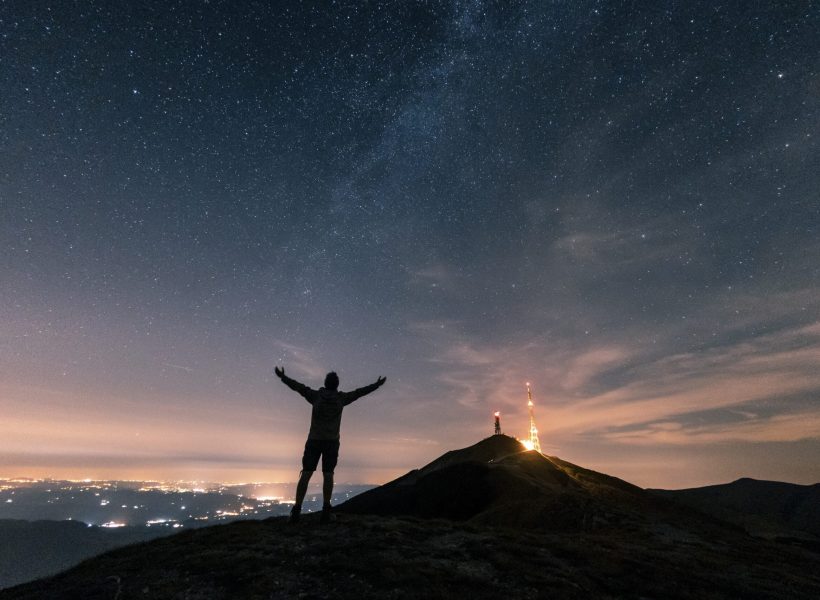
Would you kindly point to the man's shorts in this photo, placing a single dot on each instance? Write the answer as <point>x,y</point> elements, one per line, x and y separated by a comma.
<point>327,449</point>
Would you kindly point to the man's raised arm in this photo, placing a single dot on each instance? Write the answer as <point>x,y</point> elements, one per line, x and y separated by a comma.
<point>297,387</point>
<point>363,391</point>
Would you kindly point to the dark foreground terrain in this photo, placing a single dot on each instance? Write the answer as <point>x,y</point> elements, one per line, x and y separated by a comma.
<point>487,521</point>
<point>408,557</point>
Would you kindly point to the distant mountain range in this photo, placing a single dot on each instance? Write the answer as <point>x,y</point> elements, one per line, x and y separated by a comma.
<point>487,521</point>
<point>770,509</point>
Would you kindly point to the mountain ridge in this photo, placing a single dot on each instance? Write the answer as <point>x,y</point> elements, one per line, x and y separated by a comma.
<point>770,509</point>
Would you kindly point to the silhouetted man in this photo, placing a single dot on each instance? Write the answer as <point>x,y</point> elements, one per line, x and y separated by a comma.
<point>323,439</point>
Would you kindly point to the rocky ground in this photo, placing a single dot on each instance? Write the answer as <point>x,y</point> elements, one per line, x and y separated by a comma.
<point>405,557</point>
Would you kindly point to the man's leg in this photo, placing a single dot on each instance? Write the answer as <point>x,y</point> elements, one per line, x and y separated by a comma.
<point>327,494</point>
<point>301,488</point>
<point>330,456</point>
<point>309,461</point>
<point>327,487</point>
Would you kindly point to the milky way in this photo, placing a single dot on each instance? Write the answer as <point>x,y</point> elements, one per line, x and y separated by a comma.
<point>616,201</point>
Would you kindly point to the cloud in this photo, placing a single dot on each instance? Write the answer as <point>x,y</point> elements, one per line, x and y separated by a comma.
<point>598,237</point>
<point>435,275</point>
<point>779,428</point>
<point>301,360</point>
<point>178,367</point>
<point>765,370</point>
<point>588,365</point>
<point>628,394</point>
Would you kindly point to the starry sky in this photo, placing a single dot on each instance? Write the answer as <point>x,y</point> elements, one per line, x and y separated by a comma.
<point>616,201</point>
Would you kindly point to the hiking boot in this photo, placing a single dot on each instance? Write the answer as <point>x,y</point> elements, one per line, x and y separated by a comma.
<point>326,515</point>
<point>294,514</point>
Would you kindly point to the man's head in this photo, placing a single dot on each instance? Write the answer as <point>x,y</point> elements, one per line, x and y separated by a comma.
<point>332,381</point>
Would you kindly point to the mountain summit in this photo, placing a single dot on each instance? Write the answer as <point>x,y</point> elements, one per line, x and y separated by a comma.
<point>498,482</point>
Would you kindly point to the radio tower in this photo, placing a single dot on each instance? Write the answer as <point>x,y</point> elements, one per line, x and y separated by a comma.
<point>534,443</point>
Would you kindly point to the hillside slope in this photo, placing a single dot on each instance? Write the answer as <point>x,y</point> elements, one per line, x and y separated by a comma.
<point>766,508</point>
<point>402,558</point>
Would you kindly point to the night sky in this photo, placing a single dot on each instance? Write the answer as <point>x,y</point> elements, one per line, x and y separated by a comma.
<point>616,201</point>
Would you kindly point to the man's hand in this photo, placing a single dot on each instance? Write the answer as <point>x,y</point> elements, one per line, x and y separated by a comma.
<point>381,380</point>
<point>280,371</point>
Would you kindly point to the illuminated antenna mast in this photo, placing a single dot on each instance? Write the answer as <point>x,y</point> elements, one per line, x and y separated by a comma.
<point>497,423</point>
<point>534,443</point>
